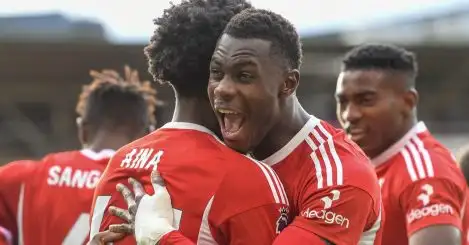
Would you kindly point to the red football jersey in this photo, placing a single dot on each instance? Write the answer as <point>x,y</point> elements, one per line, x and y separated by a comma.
<point>421,186</point>
<point>48,202</point>
<point>331,185</point>
<point>219,196</point>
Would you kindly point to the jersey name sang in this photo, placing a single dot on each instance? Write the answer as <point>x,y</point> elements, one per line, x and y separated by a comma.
<point>75,178</point>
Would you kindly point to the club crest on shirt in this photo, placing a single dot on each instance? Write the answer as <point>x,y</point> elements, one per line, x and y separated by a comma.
<point>282,220</point>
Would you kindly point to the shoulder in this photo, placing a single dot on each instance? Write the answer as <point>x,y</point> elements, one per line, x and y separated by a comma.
<point>352,165</point>
<point>250,183</point>
<point>424,160</point>
<point>62,156</point>
<point>17,171</point>
<point>423,157</point>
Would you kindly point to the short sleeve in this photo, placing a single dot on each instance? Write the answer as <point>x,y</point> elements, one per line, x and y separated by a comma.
<point>337,214</point>
<point>432,201</point>
<point>12,176</point>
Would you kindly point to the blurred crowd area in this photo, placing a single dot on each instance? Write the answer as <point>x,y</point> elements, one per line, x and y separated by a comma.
<point>45,60</point>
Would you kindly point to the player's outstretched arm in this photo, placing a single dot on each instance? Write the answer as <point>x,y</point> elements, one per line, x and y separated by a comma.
<point>438,234</point>
<point>433,209</point>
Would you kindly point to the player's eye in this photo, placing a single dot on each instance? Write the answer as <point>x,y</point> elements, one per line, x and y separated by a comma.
<point>216,74</point>
<point>245,77</point>
<point>367,100</point>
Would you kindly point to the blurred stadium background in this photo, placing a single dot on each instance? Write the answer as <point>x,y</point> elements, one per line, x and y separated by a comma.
<point>45,59</point>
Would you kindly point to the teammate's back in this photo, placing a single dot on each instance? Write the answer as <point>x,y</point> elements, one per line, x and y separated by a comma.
<point>216,192</point>
<point>51,198</point>
<point>48,201</point>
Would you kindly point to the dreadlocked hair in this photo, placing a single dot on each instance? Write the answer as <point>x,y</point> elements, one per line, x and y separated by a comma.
<point>117,101</point>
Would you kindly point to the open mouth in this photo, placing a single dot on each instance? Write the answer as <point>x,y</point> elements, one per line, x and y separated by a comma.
<point>231,122</point>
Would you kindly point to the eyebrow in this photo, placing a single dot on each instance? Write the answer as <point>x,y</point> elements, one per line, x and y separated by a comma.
<point>244,62</point>
<point>359,93</point>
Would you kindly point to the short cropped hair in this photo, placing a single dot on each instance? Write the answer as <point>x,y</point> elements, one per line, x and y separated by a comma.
<point>267,25</point>
<point>382,57</point>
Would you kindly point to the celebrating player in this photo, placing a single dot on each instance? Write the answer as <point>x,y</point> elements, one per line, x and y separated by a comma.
<point>253,78</point>
<point>217,193</point>
<point>48,201</point>
<point>423,190</point>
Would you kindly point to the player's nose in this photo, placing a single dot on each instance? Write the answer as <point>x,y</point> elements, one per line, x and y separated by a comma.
<point>226,89</point>
<point>351,113</point>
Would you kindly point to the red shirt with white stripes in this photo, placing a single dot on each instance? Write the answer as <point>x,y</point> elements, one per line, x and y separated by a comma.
<point>421,186</point>
<point>48,202</point>
<point>218,195</point>
<point>331,185</point>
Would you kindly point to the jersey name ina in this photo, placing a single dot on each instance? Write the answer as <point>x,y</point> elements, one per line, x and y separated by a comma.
<point>144,158</point>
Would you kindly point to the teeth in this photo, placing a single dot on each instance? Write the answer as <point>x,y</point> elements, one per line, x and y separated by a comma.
<point>224,111</point>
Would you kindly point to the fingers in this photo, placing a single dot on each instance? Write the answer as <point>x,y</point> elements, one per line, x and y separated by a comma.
<point>121,213</point>
<point>106,236</point>
<point>129,198</point>
<point>139,191</point>
<point>156,179</point>
<point>122,228</point>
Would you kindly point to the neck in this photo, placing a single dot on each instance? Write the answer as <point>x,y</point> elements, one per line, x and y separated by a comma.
<point>108,140</point>
<point>293,118</point>
<point>195,110</point>
<point>407,125</point>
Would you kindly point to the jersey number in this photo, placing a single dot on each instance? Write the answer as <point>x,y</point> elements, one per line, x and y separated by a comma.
<point>77,235</point>
<point>98,213</point>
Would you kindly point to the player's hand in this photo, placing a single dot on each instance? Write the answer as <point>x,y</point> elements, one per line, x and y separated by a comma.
<point>149,218</point>
<point>132,203</point>
<point>154,216</point>
<point>105,237</point>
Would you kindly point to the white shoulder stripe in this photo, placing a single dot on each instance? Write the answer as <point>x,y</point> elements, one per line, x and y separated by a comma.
<point>426,156</point>
<point>275,185</point>
<point>283,193</point>
<point>327,163</point>
<point>417,160</point>
<point>408,163</point>
<point>317,166</point>
<point>338,163</point>
<point>335,156</point>
<point>322,153</point>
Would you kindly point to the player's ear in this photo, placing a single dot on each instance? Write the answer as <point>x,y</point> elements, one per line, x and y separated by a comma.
<point>82,136</point>
<point>289,86</point>
<point>410,100</point>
